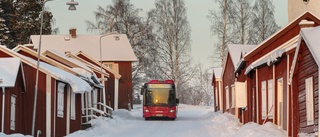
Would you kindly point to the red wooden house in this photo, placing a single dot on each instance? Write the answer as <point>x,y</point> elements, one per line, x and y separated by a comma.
<point>58,110</point>
<point>267,70</point>
<point>216,84</point>
<point>91,102</point>
<point>229,79</point>
<point>116,52</point>
<point>304,80</point>
<point>12,84</point>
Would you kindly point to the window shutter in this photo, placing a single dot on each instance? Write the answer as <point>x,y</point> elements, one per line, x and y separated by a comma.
<point>264,99</point>
<point>270,98</point>
<point>241,94</point>
<point>95,97</point>
<point>60,99</point>
<point>73,106</point>
<point>309,101</point>
<point>227,97</point>
<point>13,113</point>
<point>233,96</point>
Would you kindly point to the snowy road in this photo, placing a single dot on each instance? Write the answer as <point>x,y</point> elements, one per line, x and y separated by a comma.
<point>192,121</point>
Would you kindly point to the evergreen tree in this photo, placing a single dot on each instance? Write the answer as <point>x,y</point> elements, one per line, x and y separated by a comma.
<point>23,19</point>
<point>3,27</point>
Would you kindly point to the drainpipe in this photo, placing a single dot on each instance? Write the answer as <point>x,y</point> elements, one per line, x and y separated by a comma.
<point>3,98</point>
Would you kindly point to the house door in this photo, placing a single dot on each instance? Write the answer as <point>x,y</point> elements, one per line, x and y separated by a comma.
<point>280,102</point>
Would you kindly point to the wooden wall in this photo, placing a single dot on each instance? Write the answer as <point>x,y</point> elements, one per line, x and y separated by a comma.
<point>125,84</point>
<point>306,67</point>
<point>228,79</point>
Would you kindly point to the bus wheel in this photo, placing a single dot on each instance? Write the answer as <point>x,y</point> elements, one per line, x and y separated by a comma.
<point>147,118</point>
<point>172,119</point>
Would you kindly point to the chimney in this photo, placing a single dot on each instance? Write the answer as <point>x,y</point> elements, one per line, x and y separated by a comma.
<point>73,32</point>
<point>306,24</point>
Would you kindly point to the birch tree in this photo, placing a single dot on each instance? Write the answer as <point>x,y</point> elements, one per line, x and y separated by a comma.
<point>123,17</point>
<point>263,25</point>
<point>173,39</point>
<point>241,16</point>
<point>221,28</point>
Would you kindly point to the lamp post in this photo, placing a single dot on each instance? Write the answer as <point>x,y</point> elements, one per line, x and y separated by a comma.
<point>101,79</point>
<point>71,7</point>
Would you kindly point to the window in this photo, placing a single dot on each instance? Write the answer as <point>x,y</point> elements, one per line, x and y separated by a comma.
<point>73,106</point>
<point>270,98</point>
<point>264,99</point>
<point>60,99</point>
<point>309,101</point>
<point>227,97</point>
<point>13,113</point>
<point>233,100</point>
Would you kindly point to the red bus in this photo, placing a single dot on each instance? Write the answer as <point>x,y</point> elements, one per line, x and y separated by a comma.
<point>159,99</point>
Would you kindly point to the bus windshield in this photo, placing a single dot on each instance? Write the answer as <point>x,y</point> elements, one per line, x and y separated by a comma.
<point>160,96</point>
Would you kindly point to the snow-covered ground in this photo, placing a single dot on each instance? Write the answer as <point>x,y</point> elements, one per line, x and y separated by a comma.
<point>192,121</point>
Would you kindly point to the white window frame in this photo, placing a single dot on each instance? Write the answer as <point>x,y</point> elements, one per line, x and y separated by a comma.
<point>13,112</point>
<point>73,106</point>
<point>309,100</point>
<point>270,98</point>
<point>227,97</point>
<point>233,100</point>
<point>264,99</point>
<point>60,101</point>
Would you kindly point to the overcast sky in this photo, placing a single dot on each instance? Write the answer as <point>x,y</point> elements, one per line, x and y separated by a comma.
<point>197,10</point>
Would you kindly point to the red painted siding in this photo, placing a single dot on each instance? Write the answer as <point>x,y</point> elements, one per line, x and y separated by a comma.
<point>125,84</point>
<point>228,79</point>
<point>306,67</point>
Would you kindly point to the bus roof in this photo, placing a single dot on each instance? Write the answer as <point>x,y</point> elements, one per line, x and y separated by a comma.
<point>160,82</point>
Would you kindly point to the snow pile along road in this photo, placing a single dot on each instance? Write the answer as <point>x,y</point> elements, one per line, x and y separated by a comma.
<point>192,121</point>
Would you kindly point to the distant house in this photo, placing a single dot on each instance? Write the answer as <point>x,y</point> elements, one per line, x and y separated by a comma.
<point>59,99</point>
<point>304,81</point>
<point>116,52</point>
<point>267,70</point>
<point>216,84</point>
<point>228,77</point>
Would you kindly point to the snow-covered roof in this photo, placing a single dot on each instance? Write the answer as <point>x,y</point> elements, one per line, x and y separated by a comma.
<point>9,68</point>
<point>217,72</point>
<point>236,50</point>
<point>115,47</point>
<point>77,84</point>
<point>311,38</point>
<point>79,67</point>
<point>273,56</point>
<point>279,32</point>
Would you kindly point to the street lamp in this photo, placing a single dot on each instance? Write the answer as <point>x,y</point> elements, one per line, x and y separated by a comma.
<point>71,7</point>
<point>101,79</point>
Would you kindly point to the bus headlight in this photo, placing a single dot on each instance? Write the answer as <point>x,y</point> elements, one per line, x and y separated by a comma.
<point>171,111</point>
<point>146,110</point>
